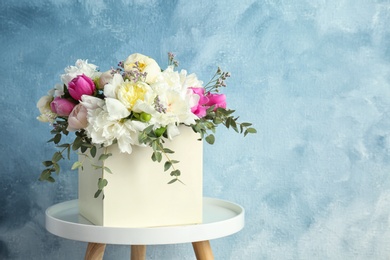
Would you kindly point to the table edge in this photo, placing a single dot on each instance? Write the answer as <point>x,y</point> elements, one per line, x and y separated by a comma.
<point>148,236</point>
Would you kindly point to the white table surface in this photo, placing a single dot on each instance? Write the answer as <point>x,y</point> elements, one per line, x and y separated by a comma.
<point>220,218</point>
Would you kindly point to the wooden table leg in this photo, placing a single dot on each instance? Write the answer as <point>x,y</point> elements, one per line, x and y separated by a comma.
<point>203,250</point>
<point>95,251</point>
<point>138,252</point>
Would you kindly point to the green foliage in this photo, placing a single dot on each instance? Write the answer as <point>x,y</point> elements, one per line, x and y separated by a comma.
<point>220,116</point>
<point>101,184</point>
<point>155,139</point>
<point>81,142</point>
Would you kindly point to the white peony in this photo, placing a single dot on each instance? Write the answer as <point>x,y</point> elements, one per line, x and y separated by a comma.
<point>107,123</point>
<point>116,109</point>
<point>179,81</point>
<point>174,110</point>
<point>145,64</point>
<point>82,67</point>
<point>135,96</point>
<point>175,99</point>
<point>43,105</point>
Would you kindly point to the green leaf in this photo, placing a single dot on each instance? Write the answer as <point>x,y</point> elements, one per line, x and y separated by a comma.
<point>56,167</point>
<point>142,138</point>
<point>157,156</point>
<point>92,151</point>
<point>155,145</point>
<point>76,165</point>
<point>97,193</point>
<point>234,125</point>
<point>83,149</point>
<point>102,183</point>
<point>217,120</point>
<point>166,150</point>
<point>56,157</point>
<point>45,175</point>
<point>50,179</point>
<point>64,145</point>
<point>250,131</point>
<point>57,138</point>
<point>228,120</point>
<point>54,131</point>
<point>210,139</point>
<point>107,169</point>
<point>47,163</point>
<point>172,181</point>
<point>77,143</point>
<point>167,165</point>
<point>148,129</point>
<point>175,173</point>
<point>104,156</point>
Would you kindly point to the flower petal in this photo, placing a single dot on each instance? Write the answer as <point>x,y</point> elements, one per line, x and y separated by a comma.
<point>116,110</point>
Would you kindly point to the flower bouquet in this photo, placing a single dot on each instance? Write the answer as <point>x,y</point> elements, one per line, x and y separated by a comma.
<point>133,106</point>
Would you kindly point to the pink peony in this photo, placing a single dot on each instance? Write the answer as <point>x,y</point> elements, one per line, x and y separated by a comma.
<point>199,109</point>
<point>62,106</point>
<point>77,118</point>
<point>216,100</point>
<point>81,85</point>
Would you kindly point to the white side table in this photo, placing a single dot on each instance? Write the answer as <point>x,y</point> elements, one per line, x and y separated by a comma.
<point>220,218</point>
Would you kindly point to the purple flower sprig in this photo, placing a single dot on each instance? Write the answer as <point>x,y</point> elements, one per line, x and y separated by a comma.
<point>217,81</point>
<point>172,60</point>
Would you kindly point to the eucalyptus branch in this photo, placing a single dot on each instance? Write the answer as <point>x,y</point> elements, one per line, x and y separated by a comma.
<point>79,164</point>
<point>52,165</point>
<point>81,142</point>
<point>169,163</point>
<point>154,139</point>
<point>218,116</point>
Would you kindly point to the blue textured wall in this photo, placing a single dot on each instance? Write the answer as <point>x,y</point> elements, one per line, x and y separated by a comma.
<point>314,77</point>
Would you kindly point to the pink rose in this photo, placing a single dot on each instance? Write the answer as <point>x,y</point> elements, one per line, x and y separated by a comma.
<point>77,118</point>
<point>62,106</point>
<point>200,108</point>
<point>216,100</point>
<point>81,85</point>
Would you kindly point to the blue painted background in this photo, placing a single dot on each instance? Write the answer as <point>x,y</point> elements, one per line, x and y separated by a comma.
<point>314,77</point>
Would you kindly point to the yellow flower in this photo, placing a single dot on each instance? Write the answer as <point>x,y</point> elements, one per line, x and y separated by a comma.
<point>129,93</point>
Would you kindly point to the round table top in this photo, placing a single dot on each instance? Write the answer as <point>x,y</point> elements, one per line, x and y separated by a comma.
<point>220,218</point>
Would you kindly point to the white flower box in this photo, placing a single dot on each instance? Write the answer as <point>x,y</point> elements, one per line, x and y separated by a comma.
<point>137,194</point>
